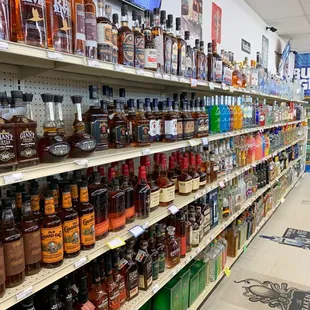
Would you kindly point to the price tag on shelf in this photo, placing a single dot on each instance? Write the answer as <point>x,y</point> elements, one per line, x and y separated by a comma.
<point>231,89</point>
<point>175,78</point>
<point>166,77</point>
<point>245,248</point>
<point>155,288</point>
<point>54,55</point>
<point>80,262</point>
<point>282,200</point>
<point>173,209</point>
<point>82,162</point>
<point>227,272</point>
<point>224,86</point>
<point>205,141</point>
<point>192,142</point>
<point>211,85</point>
<point>115,243</point>
<point>24,293</point>
<point>158,75</point>
<point>119,68</point>
<point>146,152</point>
<point>4,46</point>
<point>146,225</point>
<point>12,178</point>
<point>194,83</point>
<point>93,63</point>
<point>137,231</point>
<point>184,80</point>
<point>88,306</point>
<point>140,72</point>
<point>221,184</point>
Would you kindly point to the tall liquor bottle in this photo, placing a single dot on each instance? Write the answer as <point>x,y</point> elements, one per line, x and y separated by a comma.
<point>143,194</point>
<point>150,52</point>
<point>60,124</point>
<point>152,119</point>
<point>127,187</point>
<point>78,24</point>
<point>91,29</point>
<point>176,108</point>
<point>182,47</point>
<point>125,40</point>
<point>139,42</point>
<point>185,180</point>
<point>59,25</point>
<point>140,127</point>
<point>97,295</point>
<point>189,50</point>
<point>5,21</point>
<point>157,33</point>
<point>173,249</point>
<point>115,27</point>
<point>52,147</point>
<point>174,46</point>
<point>201,62</point>
<point>167,45</point>
<point>82,144</point>
<point>118,277</point>
<point>210,63</point>
<point>30,22</point>
<point>144,261</point>
<point>217,64</point>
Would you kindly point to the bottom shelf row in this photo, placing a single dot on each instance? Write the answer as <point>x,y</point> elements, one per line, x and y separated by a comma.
<point>137,275</point>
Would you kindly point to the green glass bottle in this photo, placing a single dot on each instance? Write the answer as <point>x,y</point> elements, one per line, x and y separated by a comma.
<point>215,117</point>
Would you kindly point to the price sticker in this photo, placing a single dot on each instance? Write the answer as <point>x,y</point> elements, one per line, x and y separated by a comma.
<point>137,231</point>
<point>146,152</point>
<point>88,306</point>
<point>231,89</point>
<point>123,262</point>
<point>12,178</point>
<point>82,162</point>
<point>166,77</point>
<point>24,293</point>
<point>4,46</point>
<point>245,248</point>
<point>115,243</point>
<point>158,75</point>
<point>211,85</point>
<point>205,141</point>
<point>221,184</point>
<point>80,262</point>
<point>146,225</point>
<point>140,72</point>
<point>54,55</point>
<point>224,86</point>
<point>119,68</point>
<point>194,83</point>
<point>140,255</point>
<point>192,142</point>
<point>227,272</point>
<point>155,288</point>
<point>282,200</point>
<point>173,209</point>
<point>175,78</point>
<point>93,63</point>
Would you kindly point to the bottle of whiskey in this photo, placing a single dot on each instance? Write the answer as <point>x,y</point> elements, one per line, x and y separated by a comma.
<point>35,204</point>
<point>59,25</point>
<point>115,27</point>
<point>132,177</point>
<point>181,233</point>
<point>125,40</point>
<point>96,120</point>
<point>189,50</point>
<point>167,44</point>
<point>4,22</point>
<point>217,64</point>
<point>174,45</point>
<point>202,174</point>
<point>70,224</point>
<point>173,249</point>
<point>179,117</point>
<point>52,147</point>
<point>160,246</point>
<point>51,234</point>
<point>82,144</point>
<point>60,124</point>
<point>159,120</point>
<point>32,238</point>
<point>170,119</point>
<point>172,175</point>
<point>139,51</point>
<point>185,180</point>
<point>201,63</point>
<point>158,36</point>
<point>144,262</point>
<point>127,187</point>
<point>188,121</point>
<point>87,218</point>
<point>140,127</point>
<point>189,233</point>
<point>154,253</point>
<point>151,117</point>
<point>182,47</point>
<point>118,277</point>
<point>91,29</point>
<point>104,34</point>
<point>143,194</point>
<point>78,24</point>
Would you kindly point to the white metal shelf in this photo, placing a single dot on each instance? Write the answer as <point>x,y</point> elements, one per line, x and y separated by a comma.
<point>46,277</point>
<point>112,155</point>
<point>36,61</point>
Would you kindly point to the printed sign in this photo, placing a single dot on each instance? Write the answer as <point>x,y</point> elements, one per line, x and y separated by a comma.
<point>302,71</point>
<point>245,46</point>
<point>265,49</point>
<point>216,27</point>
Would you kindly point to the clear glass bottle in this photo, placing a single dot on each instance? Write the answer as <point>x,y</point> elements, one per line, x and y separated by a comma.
<point>174,45</point>
<point>182,47</point>
<point>157,33</point>
<point>150,52</point>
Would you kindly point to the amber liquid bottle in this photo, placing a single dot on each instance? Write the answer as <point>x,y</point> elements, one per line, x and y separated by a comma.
<point>170,123</point>
<point>172,175</point>
<point>178,116</point>
<point>144,262</point>
<point>193,173</point>
<point>70,224</point>
<point>13,248</point>
<point>157,32</point>
<point>139,47</point>
<point>2,271</point>
<point>59,25</point>
<point>143,195</point>
<point>181,233</point>
<point>32,239</point>
<point>4,21</point>
<point>87,218</point>
<point>132,176</point>
<point>140,127</point>
<point>90,29</point>
<point>118,277</point>
<point>78,27</point>
<point>173,249</point>
<point>127,187</point>
<point>202,174</point>
<point>182,47</point>
<point>185,180</point>
<point>188,121</point>
<point>52,147</point>
<point>151,117</point>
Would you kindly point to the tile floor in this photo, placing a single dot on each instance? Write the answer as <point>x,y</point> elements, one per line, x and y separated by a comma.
<point>266,260</point>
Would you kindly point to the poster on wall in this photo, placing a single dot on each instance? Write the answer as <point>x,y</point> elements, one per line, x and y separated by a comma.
<point>191,12</point>
<point>216,27</point>
<point>265,49</point>
<point>302,71</point>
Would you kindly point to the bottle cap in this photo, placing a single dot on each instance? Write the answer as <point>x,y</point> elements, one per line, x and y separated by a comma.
<point>84,183</point>
<point>105,90</point>
<point>187,35</point>
<point>131,164</point>
<point>93,92</point>
<point>66,188</point>
<point>111,92</point>
<point>147,13</point>
<point>115,18</point>
<point>156,157</point>
<point>193,96</point>
<point>170,19</point>
<point>198,160</point>
<point>134,15</point>
<point>155,103</point>
<point>10,193</point>
<point>156,11</point>
<point>125,170</point>
<point>58,98</point>
<point>178,23</point>
<point>140,103</point>
<point>28,303</point>
<point>143,244</point>
<point>122,92</point>
<point>192,160</point>
<point>111,173</point>
<point>101,171</point>
<point>142,172</point>
<point>124,9</point>
<point>16,94</point>
<point>202,43</point>
<point>76,99</point>
<point>176,97</point>
<point>96,176</point>
<point>169,102</point>
<point>47,98</point>
<point>163,16</point>
<point>171,162</point>
<point>27,97</point>
<point>48,194</point>
<point>147,102</point>
<point>25,197</point>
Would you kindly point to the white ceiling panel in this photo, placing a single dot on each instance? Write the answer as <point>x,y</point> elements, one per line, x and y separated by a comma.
<point>306,6</point>
<point>290,26</point>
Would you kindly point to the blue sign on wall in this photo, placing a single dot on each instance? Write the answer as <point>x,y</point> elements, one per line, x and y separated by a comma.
<point>302,70</point>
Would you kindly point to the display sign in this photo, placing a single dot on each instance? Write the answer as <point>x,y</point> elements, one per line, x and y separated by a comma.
<point>265,51</point>
<point>146,4</point>
<point>302,71</point>
<point>245,46</point>
<point>216,27</point>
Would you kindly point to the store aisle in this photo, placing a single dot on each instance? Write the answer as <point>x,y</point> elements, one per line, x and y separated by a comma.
<point>269,268</point>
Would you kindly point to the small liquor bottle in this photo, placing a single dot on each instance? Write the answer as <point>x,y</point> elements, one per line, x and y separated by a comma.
<point>115,27</point>
<point>104,34</point>
<point>185,180</point>
<point>193,173</point>
<point>167,187</point>
<point>118,277</point>
<point>170,118</point>
<point>78,24</point>
<point>60,124</point>
<point>143,194</point>
<point>182,47</point>
<point>157,33</point>
<point>151,117</point>
<point>90,29</point>
<point>82,144</point>
<point>144,261</point>
<point>179,117</point>
<point>139,50</point>
<point>99,199</point>
<point>51,234</point>
<point>154,253</point>
<point>30,23</point>
<point>59,25</point>
<point>125,40</point>
<point>127,187</point>
<point>140,127</point>
<point>96,120</point>
<point>70,224</point>
<point>52,147</point>
<point>150,52</point>
<point>32,238</point>
<point>173,249</point>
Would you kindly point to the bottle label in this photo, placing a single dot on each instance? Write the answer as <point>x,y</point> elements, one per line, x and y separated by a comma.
<point>141,133</point>
<point>168,53</point>
<point>196,183</point>
<point>227,75</point>
<point>152,131</point>
<point>183,246</point>
<point>66,200</point>
<point>35,203</point>
<point>140,255</point>
<point>133,283</point>
<point>130,212</point>
<point>84,194</point>
<point>114,299</point>
<point>139,52</point>
<point>174,60</point>
<point>218,70</point>
<point>88,144</point>
<point>254,79</point>
<point>154,201</point>
<point>55,197</point>
<point>195,240</point>
<point>202,182</point>
<point>104,40</point>
<point>200,66</point>
<point>180,129</point>
<point>150,57</point>
<point>101,228</point>
<point>74,191</point>
<point>167,194</point>
<point>28,144</point>
<point>171,131</point>
<point>71,231</point>
<point>60,148</point>
<point>155,269</point>
<point>189,129</point>
<point>91,30</point>
<point>162,262</point>
<point>7,144</point>
<point>119,135</point>
<point>2,266</point>
<point>87,226</point>
<point>99,130</point>
<point>189,236</point>
<point>14,257</point>
<point>159,44</point>
<point>183,59</point>
<point>118,222</point>
<point>128,49</point>
<point>49,207</point>
<point>114,38</point>
<point>149,279</point>
<point>32,244</point>
<point>80,22</point>
<point>185,187</point>
<point>52,244</point>
<point>160,128</point>
<point>200,125</point>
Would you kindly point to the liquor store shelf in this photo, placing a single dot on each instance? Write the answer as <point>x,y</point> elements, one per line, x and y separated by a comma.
<point>45,277</point>
<point>231,260</point>
<point>112,155</point>
<point>34,61</point>
<point>144,296</point>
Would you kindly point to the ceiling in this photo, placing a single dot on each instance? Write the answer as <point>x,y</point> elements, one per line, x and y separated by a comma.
<point>290,17</point>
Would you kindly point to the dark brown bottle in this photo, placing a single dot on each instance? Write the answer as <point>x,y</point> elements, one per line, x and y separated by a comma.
<point>127,187</point>
<point>13,248</point>
<point>144,261</point>
<point>139,41</point>
<point>70,224</point>
<point>35,204</point>
<point>32,238</point>
<point>143,194</point>
<point>51,234</point>
<point>185,180</point>
<point>87,218</point>
<point>118,277</point>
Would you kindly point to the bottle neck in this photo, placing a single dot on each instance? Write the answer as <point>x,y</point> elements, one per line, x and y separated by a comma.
<point>124,20</point>
<point>58,111</point>
<point>78,110</point>
<point>156,20</point>
<point>8,219</point>
<point>29,113</point>
<point>26,211</point>
<point>49,121</point>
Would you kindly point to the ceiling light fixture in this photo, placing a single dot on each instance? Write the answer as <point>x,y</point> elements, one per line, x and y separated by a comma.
<point>272,29</point>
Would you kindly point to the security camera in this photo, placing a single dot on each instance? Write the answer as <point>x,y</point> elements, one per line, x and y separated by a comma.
<point>272,29</point>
